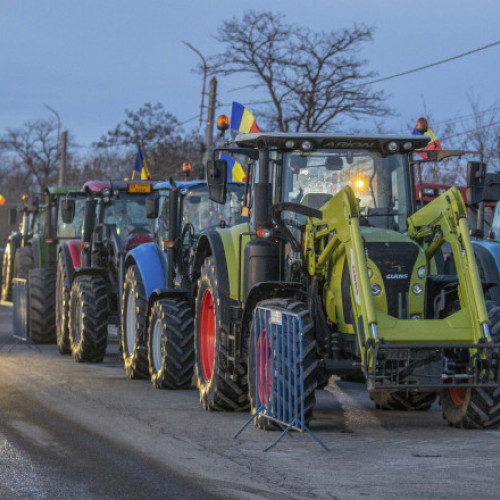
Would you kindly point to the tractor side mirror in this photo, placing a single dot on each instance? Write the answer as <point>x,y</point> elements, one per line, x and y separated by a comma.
<point>12,216</point>
<point>68,211</point>
<point>476,173</point>
<point>217,180</point>
<point>480,185</point>
<point>152,206</point>
<point>491,187</point>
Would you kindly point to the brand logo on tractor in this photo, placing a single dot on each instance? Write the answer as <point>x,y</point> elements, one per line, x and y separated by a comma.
<point>396,276</point>
<point>356,145</point>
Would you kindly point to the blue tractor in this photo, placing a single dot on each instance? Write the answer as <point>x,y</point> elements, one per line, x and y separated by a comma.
<point>158,289</point>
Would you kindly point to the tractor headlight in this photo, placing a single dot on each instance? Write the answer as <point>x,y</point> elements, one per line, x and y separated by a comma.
<point>290,144</point>
<point>421,272</point>
<point>407,146</point>
<point>416,316</point>
<point>392,146</point>
<point>306,146</point>
<point>376,289</point>
<point>370,272</point>
<point>417,289</point>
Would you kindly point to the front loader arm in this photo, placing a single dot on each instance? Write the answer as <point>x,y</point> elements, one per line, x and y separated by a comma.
<point>340,225</point>
<point>445,219</point>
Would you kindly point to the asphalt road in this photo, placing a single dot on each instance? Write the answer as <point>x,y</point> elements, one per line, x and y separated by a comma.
<point>81,431</point>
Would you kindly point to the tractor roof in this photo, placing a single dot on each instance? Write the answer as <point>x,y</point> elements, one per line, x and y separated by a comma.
<point>180,184</point>
<point>293,141</point>
<point>63,189</point>
<point>98,186</point>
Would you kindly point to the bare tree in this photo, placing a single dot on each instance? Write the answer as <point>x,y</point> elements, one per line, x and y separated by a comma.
<point>160,137</point>
<point>32,150</point>
<point>312,80</point>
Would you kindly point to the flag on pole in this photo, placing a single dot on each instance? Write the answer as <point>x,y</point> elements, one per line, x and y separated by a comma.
<point>235,172</point>
<point>140,167</point>
<point>242,120</point>
<point>2,200</point>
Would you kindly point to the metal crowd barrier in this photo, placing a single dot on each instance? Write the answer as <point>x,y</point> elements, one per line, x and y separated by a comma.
<point>279,371</point>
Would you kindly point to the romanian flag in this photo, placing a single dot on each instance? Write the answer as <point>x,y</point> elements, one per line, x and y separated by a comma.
<point>242,120</point>
<point>140,167</point>
<point>235,172</point>
<point>2,200</point>
<point>433,145</point>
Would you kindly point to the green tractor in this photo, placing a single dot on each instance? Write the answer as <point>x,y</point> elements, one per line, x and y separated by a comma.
<point>31,224</point>
<point>336,239</point>
<point>36,263</point>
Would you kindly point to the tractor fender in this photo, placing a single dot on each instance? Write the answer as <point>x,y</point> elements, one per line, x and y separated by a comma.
<point>488,258</point>
<point>166,293</point>
<point>210,243</point>
<point>90,271</point>
<point>15,241</point>
<point>71,253</point>
<point>38,245</point>
<point>152,264</point>
<point>268,290</point>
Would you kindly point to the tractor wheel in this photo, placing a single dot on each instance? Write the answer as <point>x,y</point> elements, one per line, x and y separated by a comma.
<point>41,305</point>
<point>475,408</point>
<point>261,386</point>
<point>217,390</point>
<point>63,288</point>
<point>171,344</point>
<point>7,272</point>
<point>403,400</point>
<point>23,262</point>
<point>135,305</point>
<point>88,318</point>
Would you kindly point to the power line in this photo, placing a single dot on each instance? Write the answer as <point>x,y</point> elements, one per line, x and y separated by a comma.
<point>437,63</point>
<point>470,115</point>
<point>414,70</point>
<point>470,131</point>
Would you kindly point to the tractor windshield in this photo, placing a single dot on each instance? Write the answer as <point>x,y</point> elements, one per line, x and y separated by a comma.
<point>380,183</point>
<point>203,213</point>
<point>128,212</point>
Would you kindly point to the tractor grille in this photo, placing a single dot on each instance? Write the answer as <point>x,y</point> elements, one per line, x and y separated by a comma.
<point>395,261</point>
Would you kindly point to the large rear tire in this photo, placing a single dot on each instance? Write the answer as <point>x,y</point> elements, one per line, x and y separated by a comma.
<point>475,408</point>
<point>217,390</point>
<point>88,323</point>
<point>41,305</point>
<point>403,400</point>
<point>133,342</point>
<point>63,288</point>
<point>171,344</point>
<point>260,386</point>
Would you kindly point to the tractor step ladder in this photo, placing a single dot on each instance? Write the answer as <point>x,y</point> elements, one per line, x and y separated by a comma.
<point>279,373</point>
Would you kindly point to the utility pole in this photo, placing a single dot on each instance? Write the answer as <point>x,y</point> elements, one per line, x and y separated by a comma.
<point>62,167</point>
<point>205,69</point>
<point>209,131</point>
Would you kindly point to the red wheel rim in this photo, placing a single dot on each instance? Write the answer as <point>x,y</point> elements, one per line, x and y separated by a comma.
<point>457,395</point>
<point>263,367</point>
<point>207,335</point>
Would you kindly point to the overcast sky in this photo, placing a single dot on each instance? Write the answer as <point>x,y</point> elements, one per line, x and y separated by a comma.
<point>91,59</point>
